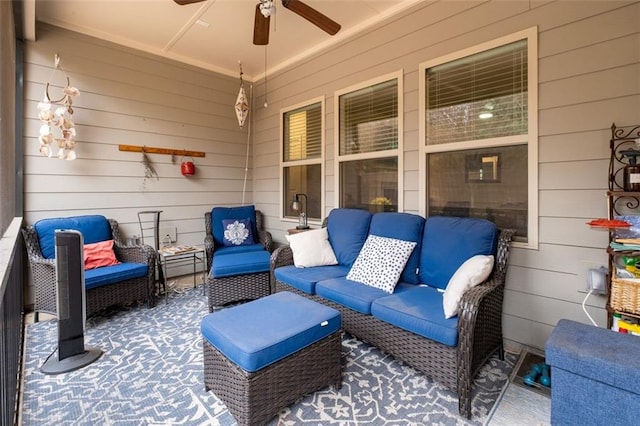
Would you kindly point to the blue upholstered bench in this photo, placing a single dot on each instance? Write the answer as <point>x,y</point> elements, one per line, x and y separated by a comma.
<point>262,356</point>
<point>595,378</point>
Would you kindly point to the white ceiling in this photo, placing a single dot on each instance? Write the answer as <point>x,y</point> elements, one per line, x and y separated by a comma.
<point>165,28</point>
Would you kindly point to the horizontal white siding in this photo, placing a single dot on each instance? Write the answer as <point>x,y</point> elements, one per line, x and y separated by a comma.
<point>130,97</point>
<point>589,77</point>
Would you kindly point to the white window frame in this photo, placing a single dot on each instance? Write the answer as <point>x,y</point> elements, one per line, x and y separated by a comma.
<point>531,138</point>
<point>399,76</point>
<point>305,162</point>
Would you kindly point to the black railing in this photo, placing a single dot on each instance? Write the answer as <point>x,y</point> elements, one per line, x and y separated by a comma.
<point>11,318</point>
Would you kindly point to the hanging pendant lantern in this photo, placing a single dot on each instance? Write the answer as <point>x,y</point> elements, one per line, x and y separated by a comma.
<point>242,104</point>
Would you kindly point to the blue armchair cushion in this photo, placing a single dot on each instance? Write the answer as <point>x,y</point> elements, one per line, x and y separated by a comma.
<point>406,227</point>
<point>238,249</point>
<point>114,274</point>
<point>94,228</point>
<point>419,310</point>
<point>237,232</point>
<point>348,230</point>
<point>305,279</point>
<point>218,214</point>
<point>264,331</point>
<point>448,242</point>
<point>250,262</point>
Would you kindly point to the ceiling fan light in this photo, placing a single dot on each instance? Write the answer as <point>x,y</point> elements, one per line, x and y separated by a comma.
<point>266,8</point>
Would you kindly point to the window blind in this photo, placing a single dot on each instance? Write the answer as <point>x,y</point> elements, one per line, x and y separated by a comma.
<point>369,119</point>
<point>479,96</point>
<point>303,133</point>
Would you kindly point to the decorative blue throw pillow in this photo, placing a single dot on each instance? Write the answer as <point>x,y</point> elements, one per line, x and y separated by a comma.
<point>237,232</point>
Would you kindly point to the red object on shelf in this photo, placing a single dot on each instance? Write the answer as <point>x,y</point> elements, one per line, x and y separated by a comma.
<point>609,223</point>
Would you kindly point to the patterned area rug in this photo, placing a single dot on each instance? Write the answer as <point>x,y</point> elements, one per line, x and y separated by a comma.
<point>151,374</point>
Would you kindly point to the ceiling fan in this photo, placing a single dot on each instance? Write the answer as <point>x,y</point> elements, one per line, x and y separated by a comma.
<point>266,8</point>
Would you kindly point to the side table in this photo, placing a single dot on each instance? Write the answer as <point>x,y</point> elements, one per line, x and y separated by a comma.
<point>173,256</point>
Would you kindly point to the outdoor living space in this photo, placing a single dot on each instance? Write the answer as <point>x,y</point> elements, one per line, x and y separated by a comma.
<point>520,115</point>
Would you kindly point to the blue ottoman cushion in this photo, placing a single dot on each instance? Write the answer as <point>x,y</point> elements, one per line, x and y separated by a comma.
<point>264,331</point>
<point>244,263</point>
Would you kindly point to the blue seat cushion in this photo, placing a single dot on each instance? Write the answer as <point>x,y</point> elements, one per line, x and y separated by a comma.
<point>238,249</point>
<point>305,279</point>
<point>449,241</point>
<point>348,230</point>
<point>402,226</point>
<point>264,331</point>
<point>352,294</point>
<point>94,228</point>
<point>218,214</point>
<point>251,262</point>
<point>114,274</point>
<point>420,311</point>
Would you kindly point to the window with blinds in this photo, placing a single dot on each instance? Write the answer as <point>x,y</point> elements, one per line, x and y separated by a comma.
<point>480,146</point>
<point>479,96</point>
<point>302,158</point>
<point>369,119</point>
<point>303,133</point>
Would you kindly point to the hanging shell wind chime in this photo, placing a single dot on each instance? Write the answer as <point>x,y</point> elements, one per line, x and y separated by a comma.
<point>58,120</point>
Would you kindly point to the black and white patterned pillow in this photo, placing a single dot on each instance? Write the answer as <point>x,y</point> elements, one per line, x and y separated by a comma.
<point>380,262</point>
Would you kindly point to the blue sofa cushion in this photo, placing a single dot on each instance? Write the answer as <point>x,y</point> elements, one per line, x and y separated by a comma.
<point>114,274</point>
<point>262,332</point>
<point>218,214</point>
<point>250,262</point>
<point>94,228</point>
<point>352,294</point>
<point>420,311</point>
<point>348,230</point>
<point>305,279</point>
<point>401,226</point>
<point>449,241</point>
<point>237,249</point>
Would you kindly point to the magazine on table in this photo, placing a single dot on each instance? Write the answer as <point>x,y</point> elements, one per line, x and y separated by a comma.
<point>177,249</point>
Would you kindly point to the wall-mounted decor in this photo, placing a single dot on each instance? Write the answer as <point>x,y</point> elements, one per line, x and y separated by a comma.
<point>58,120</point>
<point>483,168</point>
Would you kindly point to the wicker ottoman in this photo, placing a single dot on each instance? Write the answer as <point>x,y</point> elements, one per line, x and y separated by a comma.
<point>262,356</point>
<point>238,277</point>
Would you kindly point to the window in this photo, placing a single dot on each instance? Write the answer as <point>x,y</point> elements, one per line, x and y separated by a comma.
<point>368,139</point>
<point>302,141</point>
<point>480,134</point>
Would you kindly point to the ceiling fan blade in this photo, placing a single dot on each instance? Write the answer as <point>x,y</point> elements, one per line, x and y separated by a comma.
<point>183,2</point>
<point>261,28</point>
<point>310,14</point>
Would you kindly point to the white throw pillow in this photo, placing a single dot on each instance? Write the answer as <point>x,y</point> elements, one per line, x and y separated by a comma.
<point>311,248</point>
<point>471,273</point>
<point>380,262</point>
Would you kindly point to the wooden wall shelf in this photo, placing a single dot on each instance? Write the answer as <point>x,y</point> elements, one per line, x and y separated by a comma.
<point>166,151</point>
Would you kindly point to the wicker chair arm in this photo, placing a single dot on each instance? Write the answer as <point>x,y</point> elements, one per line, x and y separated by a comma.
<point>135,254</point>
<point>281,256</point>
<point>209,247</point>
<point>266,240</point>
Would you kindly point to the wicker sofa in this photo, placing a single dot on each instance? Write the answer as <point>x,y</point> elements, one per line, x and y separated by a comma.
<point>410,323</point>
<point>132,280</point>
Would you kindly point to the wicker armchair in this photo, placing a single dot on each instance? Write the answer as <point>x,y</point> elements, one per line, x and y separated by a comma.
<point>239,286</point>
<point>43,274</point>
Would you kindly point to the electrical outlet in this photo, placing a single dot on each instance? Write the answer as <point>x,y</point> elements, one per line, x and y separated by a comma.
<point>171,231</point>
<point>597,280</point>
